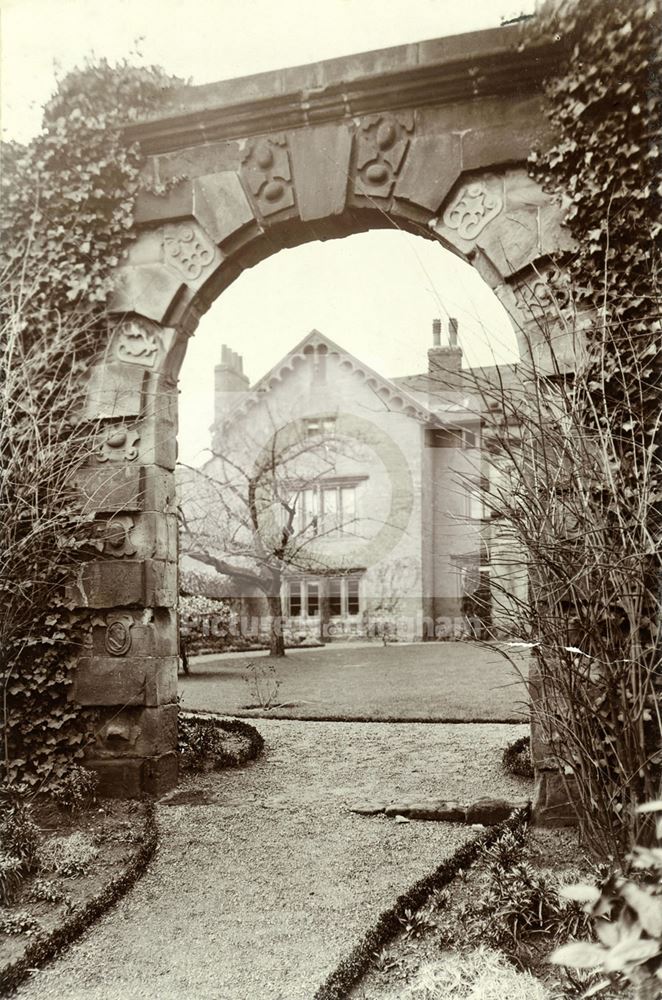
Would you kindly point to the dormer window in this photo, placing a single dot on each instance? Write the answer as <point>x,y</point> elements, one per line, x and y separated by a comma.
<point>320,425</point>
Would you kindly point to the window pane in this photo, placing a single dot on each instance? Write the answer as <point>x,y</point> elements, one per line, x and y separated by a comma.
<point>330,507</point>
<point>295,600</point>
<point>313,599</point>
<point>348,506</point>
<point>308,511</point>
<point>335,597</point>
<point>352,596</point>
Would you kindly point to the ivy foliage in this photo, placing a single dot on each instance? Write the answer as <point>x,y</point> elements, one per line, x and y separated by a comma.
<point>68,196</point>
<point>598,633</point>
<point>605,106</point>
<point>67,214</point>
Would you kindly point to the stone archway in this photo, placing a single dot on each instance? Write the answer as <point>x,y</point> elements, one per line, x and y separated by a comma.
<point>431,138</point>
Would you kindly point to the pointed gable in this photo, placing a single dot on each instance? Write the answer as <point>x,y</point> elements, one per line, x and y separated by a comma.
<point>315,346</point>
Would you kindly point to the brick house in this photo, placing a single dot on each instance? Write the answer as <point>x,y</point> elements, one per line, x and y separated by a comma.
<point>378,480</point>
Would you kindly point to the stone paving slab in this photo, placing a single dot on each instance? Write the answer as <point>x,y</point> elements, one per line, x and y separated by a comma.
<point>258,891</point>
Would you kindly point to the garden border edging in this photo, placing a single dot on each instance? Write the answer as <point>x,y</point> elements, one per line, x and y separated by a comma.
<point>44,948</point>
<point>230,722</point>
<point>348,972</point>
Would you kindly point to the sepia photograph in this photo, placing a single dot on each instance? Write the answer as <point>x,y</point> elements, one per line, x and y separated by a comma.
<point>330,500</point>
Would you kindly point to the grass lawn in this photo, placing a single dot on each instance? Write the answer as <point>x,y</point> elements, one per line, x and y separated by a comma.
<point>445,681</point>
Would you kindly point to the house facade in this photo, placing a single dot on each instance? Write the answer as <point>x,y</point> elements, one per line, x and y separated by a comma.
<point>359,494</point>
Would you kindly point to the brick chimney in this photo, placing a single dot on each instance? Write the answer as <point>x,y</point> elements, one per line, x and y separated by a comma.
<point>444,359</point>
<point>229,379</point>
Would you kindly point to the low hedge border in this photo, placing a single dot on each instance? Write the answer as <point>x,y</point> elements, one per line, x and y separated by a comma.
<point>517,758</point>
<point>254,739</point>
<point>46,947</point>
<point>351,968</point>
<point>42,949</point>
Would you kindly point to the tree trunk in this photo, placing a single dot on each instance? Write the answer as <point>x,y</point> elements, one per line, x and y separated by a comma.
<point>276,638</point>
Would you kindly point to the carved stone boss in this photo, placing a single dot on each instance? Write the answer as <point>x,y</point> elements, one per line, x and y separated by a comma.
<point>137,343</point>
<point>382,144</point>
<point>266,171</point>
<point>118,444</point>
<point>472,209</point>
<point>187,250</point>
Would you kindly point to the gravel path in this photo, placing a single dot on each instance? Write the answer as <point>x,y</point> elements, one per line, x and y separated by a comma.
<point>263,880</point>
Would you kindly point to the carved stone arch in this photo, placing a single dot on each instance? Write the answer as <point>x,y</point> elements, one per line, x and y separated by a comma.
<point>504,224</point>
<point>431,138</point>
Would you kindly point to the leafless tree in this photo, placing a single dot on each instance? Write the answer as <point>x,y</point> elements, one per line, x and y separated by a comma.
<point>244,514</point>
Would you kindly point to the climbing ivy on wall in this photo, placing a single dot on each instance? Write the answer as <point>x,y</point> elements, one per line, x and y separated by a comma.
<point>605,106</point>
<point>67,214</point>
<point>598,634</point>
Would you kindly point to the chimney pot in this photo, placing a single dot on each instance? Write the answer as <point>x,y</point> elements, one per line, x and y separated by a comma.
<point>436,333</point>
<point>452,332</point>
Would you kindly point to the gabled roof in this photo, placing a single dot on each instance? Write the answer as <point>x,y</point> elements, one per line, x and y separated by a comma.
<point>397,397</point>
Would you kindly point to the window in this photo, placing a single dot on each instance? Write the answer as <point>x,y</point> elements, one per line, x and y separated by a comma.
<point>313,594</point>
<point>343,596</point>
<point>323,509</point>
<point>353,603</point>
<point>305,598</point>
<point>320,425</point>
<point>335,597</point>
<point>338,508</point>
<point>295,600</point>
<point>306,511</point>
<point>450,437</point>
<point>446,438</point>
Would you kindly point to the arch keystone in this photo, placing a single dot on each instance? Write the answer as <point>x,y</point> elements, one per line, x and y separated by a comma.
<point>320,162</point>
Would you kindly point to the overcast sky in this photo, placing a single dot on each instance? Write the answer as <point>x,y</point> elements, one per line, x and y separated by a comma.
<point>374,293</point>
